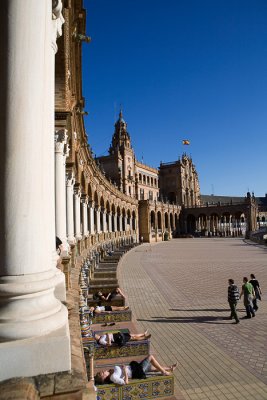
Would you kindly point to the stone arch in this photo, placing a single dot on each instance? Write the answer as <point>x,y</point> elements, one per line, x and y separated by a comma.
<point>152,220</point>
<point>133,220</point>
<point>171,221</point>
<point>128,217</point>
<point>90,192</point>
<point>159,220</point>
<point>119,228</point>
<point>83,184</point>
<point>191,223</point>
<point>175,220</point>
<point>123,213</point>
<point>166,220</point>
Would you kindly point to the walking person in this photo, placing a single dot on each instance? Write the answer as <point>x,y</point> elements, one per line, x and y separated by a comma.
<point>233,297</point>
<point>255,283</point>
<point>249,294</point>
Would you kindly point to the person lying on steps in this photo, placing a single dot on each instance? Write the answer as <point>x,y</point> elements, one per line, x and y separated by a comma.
<point>120,338</point>
<point>121,374</point>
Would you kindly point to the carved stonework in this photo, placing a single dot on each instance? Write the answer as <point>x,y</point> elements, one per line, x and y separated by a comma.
<point>70,180</point>
<point>57,22</point>
<point>61,145</point>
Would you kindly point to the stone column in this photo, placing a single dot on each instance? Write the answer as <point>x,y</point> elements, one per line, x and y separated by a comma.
<point>120,223</point>
<point>92,220</point>
<point>110,222</point>
<point>125,223</point>
<point>85,215</point>
<point>104,220</point>
<point>98,229</point>
<point>34,334</point>
<point>70,215</point>
<point>61,152</point>
<point>77,208</point>
<point>115,222</point>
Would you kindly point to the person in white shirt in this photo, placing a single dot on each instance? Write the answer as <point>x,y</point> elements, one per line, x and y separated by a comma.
<point>100,309</point>
<point>120,338</point>
<point>121,374</point>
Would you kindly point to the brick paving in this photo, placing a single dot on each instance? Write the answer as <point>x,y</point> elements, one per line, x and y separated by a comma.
<point>178,290</point>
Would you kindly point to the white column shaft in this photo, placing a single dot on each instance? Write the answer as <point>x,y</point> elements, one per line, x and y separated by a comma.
<point>92,220</point>
<point>70,213</point>
<point>104,221</point>
<point>60,187</point>
<point>115,222</point>
<point>85,218</point>
<point>110,222</point>
<point>29,308</point>
<point>98,229</point>
<point>77,201</point>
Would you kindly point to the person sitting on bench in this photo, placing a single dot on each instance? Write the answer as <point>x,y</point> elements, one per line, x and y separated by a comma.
<point>109,309</point>
<point>120,375</point>
<point>120,338</point>
<point>109,296</point>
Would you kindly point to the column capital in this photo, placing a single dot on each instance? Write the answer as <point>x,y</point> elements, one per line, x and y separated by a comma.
<point>84,198</point>
<point>70,179</point>
<point>77,189</point>
<point>61,141</point>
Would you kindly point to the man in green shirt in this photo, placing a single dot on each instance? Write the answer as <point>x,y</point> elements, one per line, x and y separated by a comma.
<point>249,294</point>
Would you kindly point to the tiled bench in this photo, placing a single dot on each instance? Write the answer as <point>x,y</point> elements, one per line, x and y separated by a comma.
<point>130,349</point>
<point>154,387</point>
<point>114,316</point>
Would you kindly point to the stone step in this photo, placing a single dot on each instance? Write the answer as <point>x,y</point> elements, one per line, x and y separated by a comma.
<point>105,287</point>
<point>110,260</point>
<point>103,281</point>
<point>104,274</point>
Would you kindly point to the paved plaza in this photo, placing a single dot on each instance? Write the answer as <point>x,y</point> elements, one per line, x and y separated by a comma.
<point>178,290</point>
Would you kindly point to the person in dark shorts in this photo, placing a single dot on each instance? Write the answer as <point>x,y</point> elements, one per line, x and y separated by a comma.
<point>255,283</point>
<point>120,374</point>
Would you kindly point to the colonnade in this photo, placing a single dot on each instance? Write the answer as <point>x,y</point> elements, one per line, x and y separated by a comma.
<point>218,225</point>
<point>79,215</point>
<point>34,331</point>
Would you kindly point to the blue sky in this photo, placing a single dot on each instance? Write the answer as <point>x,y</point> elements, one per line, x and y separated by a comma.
<point>182,69</point>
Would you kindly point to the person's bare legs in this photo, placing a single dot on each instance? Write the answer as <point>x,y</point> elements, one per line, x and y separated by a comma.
<point>158,367</point>
<point>140,336</point>
<point>119,292</point>
<point>119,308</point>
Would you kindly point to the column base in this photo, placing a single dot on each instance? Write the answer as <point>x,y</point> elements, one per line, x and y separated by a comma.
<point>60,287</point>
<point>40,355</point>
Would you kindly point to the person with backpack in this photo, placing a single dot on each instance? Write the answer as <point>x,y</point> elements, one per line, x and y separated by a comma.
<point>233,297</point>
<point>249,294</point>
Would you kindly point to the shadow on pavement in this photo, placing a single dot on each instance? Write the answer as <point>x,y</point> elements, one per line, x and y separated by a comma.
<point>188,320</point>
<point>201,309</point>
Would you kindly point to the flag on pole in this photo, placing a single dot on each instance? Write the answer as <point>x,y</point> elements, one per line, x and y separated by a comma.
<point>186,142</point>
